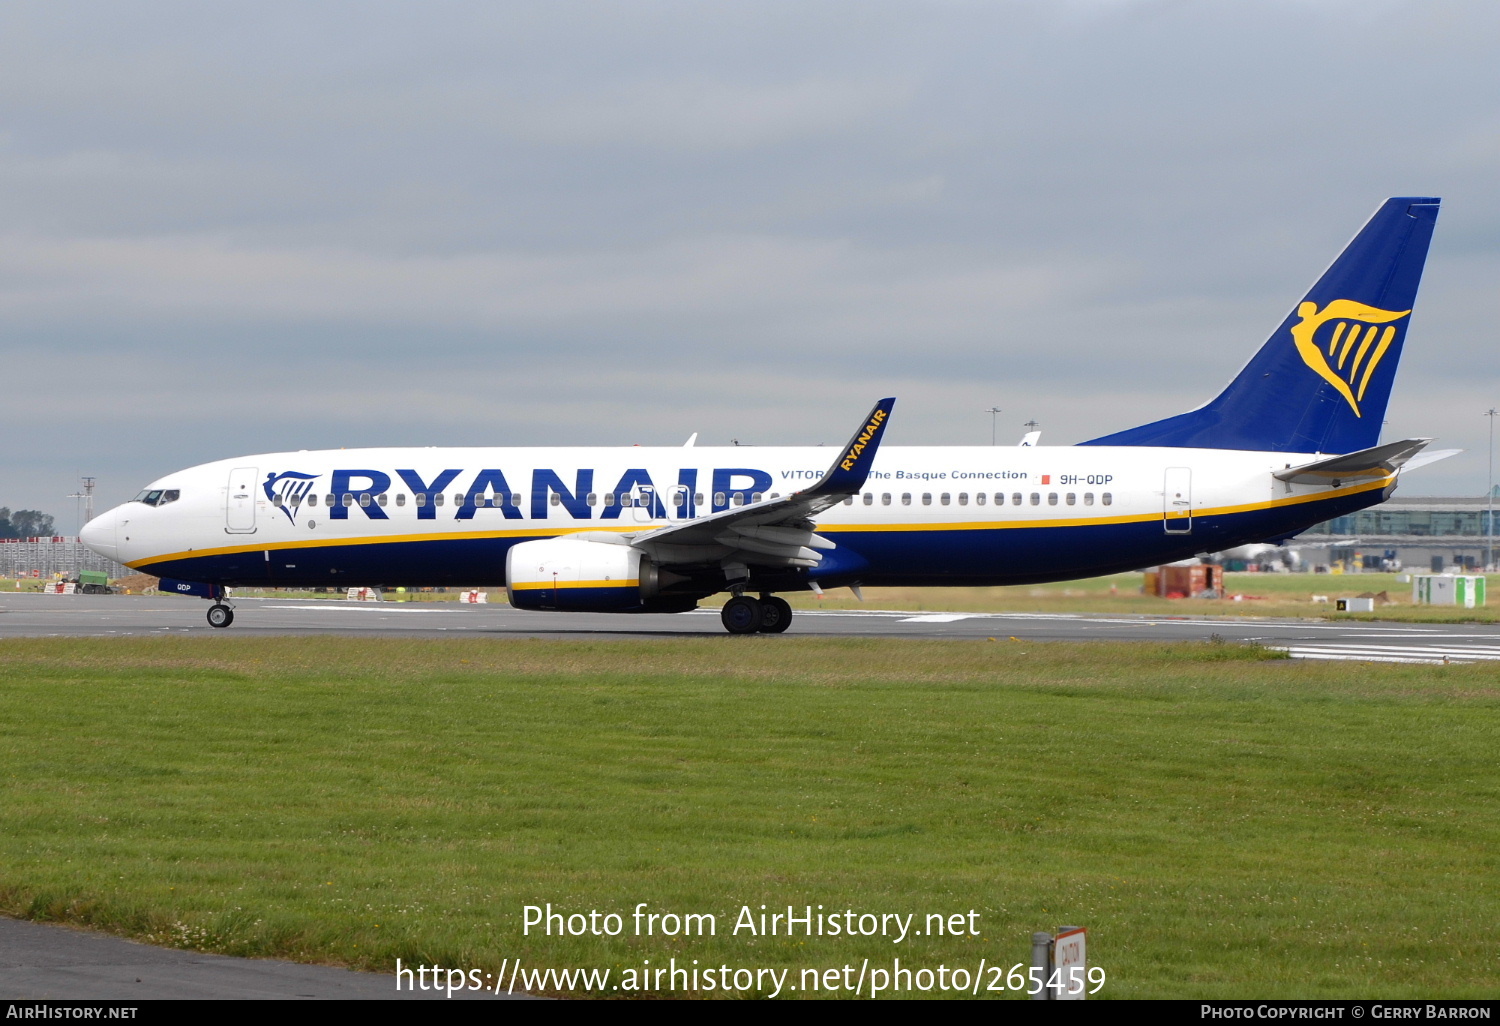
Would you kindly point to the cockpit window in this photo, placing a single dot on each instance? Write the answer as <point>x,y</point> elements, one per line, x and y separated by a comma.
<point>158,496</point>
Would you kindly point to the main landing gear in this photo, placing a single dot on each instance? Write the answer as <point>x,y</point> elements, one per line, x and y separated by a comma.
<point>220,615</point>
<point>765,615</point>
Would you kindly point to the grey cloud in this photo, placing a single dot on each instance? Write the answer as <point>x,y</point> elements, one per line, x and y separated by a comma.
<point>313,224</point>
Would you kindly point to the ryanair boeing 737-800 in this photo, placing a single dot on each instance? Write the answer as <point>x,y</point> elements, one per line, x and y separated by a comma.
<point>1292,441</point>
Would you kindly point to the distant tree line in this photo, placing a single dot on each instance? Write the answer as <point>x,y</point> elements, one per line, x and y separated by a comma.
<point>25,523</point>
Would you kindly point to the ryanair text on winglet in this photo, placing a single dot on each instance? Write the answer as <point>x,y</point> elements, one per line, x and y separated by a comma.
<point>858,447</point>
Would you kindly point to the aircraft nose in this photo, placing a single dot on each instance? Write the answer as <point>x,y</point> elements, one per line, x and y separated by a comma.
<point>99,534</point>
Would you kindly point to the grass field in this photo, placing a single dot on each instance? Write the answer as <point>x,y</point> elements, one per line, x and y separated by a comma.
<point>1226,823</point>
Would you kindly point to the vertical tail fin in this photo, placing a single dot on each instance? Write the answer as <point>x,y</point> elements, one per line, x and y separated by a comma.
<point>1322,380</point>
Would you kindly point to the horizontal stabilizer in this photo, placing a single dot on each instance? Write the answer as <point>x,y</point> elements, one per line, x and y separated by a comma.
<point>1423,459</point>
<point>1367,464</point>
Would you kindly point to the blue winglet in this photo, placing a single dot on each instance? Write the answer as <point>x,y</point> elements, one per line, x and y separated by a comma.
<point>849,471</point>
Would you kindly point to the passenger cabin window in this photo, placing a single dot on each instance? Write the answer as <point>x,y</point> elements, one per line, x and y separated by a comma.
<point>869,498</point>
<point>848,500</point>
<point>945,498</point>
<point>420,499</point>
<point>609,498</point>
<point>348,498</point>
<point>761,495</point>
<point>885,498</point>
<point>927,498</point>
<point>718,498</point>
<point>1088,498</point>
<point>555,499</point>
<point>1015,498</point>
<point>1052,498</point>
<point>400,498</point>
<point>1072,499</point>
<point>906,498</point>
<point>979,498</point>
<point>437,499</point>
<point>963,498</point>
<point>697,498</point>
<point>312,500</point>
<point>1106,498</point>
<point>380,499</point>
<point>364,498</point>
<point>1036,498</point>
<point>592,499</point>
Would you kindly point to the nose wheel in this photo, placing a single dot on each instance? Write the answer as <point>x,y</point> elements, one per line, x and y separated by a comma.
<point>220,615</point>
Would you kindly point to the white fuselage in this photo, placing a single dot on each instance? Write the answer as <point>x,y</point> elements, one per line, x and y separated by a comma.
<point>928,515</point>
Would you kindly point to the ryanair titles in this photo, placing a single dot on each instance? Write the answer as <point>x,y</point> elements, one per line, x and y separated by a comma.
<point>366,490</point>
<point>862,439</point>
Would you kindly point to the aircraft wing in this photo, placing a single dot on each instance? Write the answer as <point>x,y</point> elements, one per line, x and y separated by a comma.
<point>1368,464</point>
<point>774,532</point>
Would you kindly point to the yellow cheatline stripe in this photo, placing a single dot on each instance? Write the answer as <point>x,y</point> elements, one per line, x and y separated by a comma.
<point>977,525</point>
<point>539,585</point>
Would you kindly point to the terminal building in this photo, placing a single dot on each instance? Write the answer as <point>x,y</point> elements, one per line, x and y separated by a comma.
<point>1422,533</point>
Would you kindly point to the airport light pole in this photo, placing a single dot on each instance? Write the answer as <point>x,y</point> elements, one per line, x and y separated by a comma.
<point>1489,498</point>
<point>992,411</point>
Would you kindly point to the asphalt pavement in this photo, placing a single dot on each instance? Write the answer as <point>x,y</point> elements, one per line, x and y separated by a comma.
<point>29,614</point>
<point>45,962</point>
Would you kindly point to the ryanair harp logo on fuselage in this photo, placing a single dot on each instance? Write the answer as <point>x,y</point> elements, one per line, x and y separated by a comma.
<point>1344,343</point>
<point>286,491</point>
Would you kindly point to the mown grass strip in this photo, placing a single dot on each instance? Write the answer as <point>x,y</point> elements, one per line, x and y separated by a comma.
<point>1226,823</point>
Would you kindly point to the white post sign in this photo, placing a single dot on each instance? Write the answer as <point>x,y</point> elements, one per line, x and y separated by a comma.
<point>1070,961</point>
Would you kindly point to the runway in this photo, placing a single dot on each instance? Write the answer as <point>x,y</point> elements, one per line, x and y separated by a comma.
<point>35,615</point>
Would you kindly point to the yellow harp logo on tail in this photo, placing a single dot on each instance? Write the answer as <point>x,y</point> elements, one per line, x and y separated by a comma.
<point>1347,353</point>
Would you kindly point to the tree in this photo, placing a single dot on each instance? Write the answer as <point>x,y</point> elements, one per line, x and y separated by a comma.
<point>25,523</point>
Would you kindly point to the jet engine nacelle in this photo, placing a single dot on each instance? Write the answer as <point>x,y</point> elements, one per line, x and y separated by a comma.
<point>580,576</point>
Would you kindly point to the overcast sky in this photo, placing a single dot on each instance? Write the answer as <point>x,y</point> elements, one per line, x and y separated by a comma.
<point>237,228</point>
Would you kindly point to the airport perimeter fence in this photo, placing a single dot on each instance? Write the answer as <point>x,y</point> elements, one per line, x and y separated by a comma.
<point>45,557</point>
